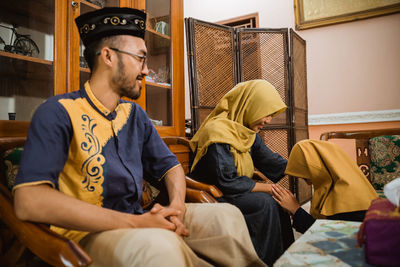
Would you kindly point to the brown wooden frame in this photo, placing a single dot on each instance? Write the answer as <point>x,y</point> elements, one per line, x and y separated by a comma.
<point>237,20</point>
<point>38,238</point>
<point>302,24</point>
<point>362,145</point>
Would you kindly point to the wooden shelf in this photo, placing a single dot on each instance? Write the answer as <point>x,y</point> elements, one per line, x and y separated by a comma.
<point>157,43</point>
<point>37,15</point>
<point>87,70</point>
<point>26,58</point>
<point>25,76</point>
<point>15,68</point>
<point>159,34</point>
<point>86,6</point>
<point>158,85</point>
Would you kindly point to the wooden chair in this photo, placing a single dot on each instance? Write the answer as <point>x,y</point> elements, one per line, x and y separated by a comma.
<point>22,242</point>
<point>185,158</point>
<point>17,235</point>
<point>180,146</point>
<point>362,146</point>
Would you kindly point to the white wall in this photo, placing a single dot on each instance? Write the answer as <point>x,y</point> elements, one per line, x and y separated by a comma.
<point>351,67</point>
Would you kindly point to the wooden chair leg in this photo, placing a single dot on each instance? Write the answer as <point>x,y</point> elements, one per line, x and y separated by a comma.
<point>12,255</point>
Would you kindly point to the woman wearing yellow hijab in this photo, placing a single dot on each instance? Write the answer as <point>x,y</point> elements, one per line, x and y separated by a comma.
<point>341,190</point>
<point>227,148</point>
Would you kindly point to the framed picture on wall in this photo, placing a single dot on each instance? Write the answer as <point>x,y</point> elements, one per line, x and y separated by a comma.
<point>316,13</point>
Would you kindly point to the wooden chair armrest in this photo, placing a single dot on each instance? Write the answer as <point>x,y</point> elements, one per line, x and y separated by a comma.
<point>257,175</point>
<point>362,134</point>
<point>176,140</point>
<point>210,189</point>
<point>9,128</point>
<point>198,196</point>
<point>361,138</point>
<point>44,243</point>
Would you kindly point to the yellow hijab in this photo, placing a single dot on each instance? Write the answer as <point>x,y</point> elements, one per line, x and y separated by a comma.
<point>339,185</point>
<point>228,123</point>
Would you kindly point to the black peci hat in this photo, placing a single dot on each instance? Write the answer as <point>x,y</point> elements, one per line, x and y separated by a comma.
<point>110,21</point>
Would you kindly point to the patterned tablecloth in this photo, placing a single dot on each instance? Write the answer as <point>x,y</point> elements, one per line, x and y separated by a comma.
<point>326,243</point>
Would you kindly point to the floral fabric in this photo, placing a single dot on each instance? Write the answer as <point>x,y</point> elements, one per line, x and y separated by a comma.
<point>11,160</point>
<point>385,159</point>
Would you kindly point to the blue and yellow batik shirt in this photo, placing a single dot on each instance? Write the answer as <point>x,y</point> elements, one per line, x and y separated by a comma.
<point>99,156</point>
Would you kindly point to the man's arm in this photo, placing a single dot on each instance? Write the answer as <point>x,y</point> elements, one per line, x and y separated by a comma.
<point>41,203</point>
<point>176,186</point>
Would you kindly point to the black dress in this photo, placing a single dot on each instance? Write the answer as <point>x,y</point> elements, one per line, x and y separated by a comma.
<point>302,220</point>
<point>269,226</point>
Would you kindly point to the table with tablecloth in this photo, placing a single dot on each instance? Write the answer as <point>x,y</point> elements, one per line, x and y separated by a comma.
<point>326,243</point>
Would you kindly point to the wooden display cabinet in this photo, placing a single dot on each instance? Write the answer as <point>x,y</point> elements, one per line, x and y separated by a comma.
<point>27,80</point>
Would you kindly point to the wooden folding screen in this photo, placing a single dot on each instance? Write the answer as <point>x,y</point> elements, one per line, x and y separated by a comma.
<point>299,106</point>
<point>219,57</point>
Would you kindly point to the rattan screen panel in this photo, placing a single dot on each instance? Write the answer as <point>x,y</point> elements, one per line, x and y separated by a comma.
<point>277,140</point>
<point>213,66</point>
<point>300,105</point>
<point>300,117</point>
<point>303,191</point>
<point>299,71</point>
<point>300,134</point>
<point>299,81</point>
<point>263,55</point>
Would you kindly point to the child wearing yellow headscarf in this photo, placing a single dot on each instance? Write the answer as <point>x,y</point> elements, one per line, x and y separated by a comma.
<point>341,190</point>
<point>227,148</point>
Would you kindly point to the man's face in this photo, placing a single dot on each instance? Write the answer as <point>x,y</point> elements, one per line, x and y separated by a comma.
<point>130,70</point>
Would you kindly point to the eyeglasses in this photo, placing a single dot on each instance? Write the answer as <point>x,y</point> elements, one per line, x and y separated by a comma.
<point>141,58</point>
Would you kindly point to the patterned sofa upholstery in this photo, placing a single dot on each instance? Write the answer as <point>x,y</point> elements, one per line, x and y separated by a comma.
<point>385,159</point>
<point>378,153</point>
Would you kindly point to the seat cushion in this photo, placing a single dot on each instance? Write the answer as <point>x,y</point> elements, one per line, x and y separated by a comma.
<point>385,159</point>
<point>11,159</point>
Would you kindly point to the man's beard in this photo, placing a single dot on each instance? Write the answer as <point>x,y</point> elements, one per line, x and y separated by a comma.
<point>128,92</point>
<point>121,81</point>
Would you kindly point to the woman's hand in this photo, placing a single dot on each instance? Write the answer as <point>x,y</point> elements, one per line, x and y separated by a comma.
<point>285,198</point>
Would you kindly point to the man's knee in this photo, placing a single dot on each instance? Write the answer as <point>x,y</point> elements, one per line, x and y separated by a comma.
<point>156,240</point>
<point>139,247</point>
<point>206,220</point>
<point>164,248</point>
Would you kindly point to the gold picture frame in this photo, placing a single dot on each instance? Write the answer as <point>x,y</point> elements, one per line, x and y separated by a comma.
<point>317,13</point>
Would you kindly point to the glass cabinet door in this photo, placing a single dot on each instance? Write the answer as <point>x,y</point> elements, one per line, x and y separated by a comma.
<point>158,82</point>
<point>164,86</point>
<point>27,52</point>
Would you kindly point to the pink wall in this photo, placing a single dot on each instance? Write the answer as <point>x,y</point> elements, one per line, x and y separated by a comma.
<point>352,66</point>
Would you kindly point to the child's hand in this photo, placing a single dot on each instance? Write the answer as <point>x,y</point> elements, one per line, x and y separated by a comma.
<point>285,198</point>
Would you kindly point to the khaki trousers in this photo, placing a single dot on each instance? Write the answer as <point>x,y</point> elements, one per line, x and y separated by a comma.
<point>218,237</point>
